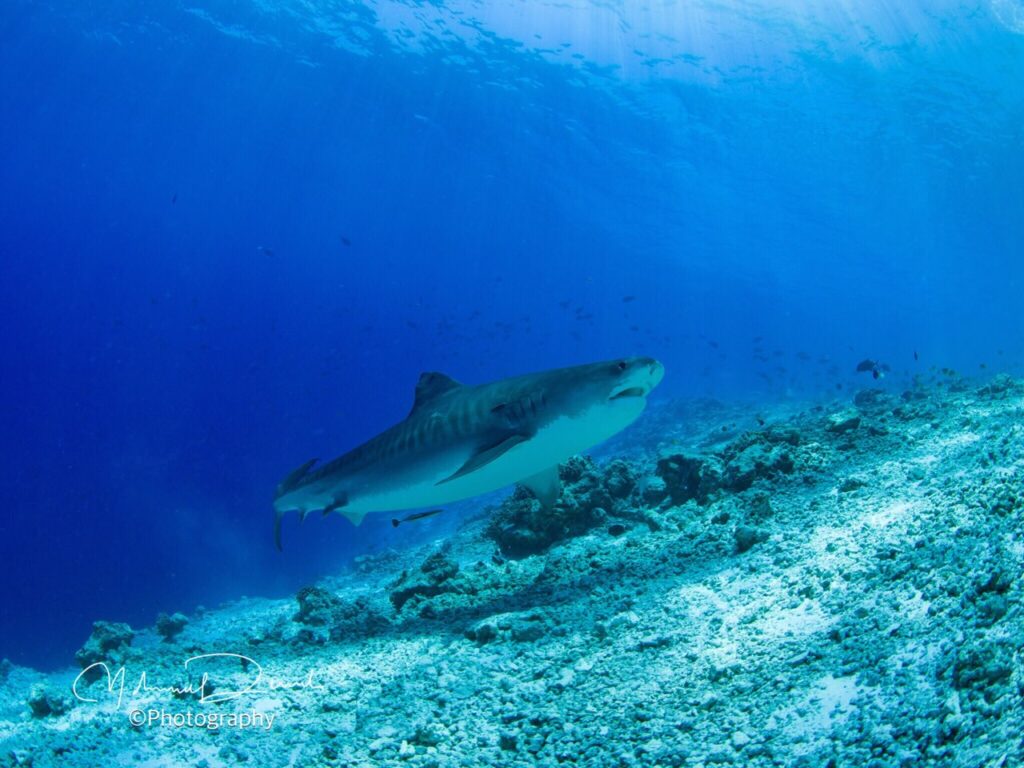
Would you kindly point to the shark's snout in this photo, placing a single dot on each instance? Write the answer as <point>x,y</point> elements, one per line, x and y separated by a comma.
<point>639,376</point>
<point>656,372</point>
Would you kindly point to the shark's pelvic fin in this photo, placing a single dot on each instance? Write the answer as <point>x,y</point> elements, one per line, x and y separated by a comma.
<point>338,503</point>
<point>355,517</point>
<point>432,385</point>
<point>545,485</point>
<point>485,456</point>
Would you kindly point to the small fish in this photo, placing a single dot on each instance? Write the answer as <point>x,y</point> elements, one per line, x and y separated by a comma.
<point>866,365</point>
<point>627,299</point>
<point>345,241</point>
<point>916,358</point>
<point>876,374</point>
<point>395,522</point>
<point>174,198</point>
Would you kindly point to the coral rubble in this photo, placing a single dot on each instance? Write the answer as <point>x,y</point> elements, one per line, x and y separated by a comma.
<point>841,586</point>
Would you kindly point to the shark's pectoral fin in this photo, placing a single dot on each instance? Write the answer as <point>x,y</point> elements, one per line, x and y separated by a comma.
<point>545,485</point>
<point>485,456</point>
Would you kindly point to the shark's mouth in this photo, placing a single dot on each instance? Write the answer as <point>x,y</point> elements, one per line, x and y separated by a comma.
<point>629,392</point>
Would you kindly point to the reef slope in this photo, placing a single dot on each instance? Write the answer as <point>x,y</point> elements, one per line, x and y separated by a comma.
<point>838,585</point>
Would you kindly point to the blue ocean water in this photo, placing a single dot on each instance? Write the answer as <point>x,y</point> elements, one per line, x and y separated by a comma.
<point>232,234</point>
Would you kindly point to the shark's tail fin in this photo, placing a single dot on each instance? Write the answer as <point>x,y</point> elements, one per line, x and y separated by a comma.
<point>294,478</point>
<point>278,514</point>
<point>291,482</point>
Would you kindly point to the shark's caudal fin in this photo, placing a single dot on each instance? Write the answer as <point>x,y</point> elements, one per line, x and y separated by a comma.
<point>288,484</point>
<point>294,478</point>
<point>278,514</point>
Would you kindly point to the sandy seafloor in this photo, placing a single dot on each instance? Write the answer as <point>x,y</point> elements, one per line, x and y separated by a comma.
<point>837,585</point>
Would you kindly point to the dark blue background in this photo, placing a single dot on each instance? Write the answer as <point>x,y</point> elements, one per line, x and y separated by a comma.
<point>183,321</point>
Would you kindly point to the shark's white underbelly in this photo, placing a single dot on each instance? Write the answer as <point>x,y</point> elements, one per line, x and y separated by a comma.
<point>552,444</point>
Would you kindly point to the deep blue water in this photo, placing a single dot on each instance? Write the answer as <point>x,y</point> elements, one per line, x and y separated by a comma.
<point>232,234</point>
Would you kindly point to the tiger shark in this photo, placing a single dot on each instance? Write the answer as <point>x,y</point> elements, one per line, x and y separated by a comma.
<point>460,441</point>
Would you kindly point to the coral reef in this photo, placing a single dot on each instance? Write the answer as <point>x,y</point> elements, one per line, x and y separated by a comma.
<point>837,586</point>
<point>433,577</point>
<point>45,703</point>
<point>324,617</point>
<point>169,627</point>
<point>520,526</point>
<point>108,644</point>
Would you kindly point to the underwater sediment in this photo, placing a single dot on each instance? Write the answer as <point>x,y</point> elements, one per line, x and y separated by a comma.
<point>839,585</point>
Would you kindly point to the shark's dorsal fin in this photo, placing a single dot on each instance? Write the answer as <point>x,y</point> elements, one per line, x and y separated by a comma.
<point>432,385</point>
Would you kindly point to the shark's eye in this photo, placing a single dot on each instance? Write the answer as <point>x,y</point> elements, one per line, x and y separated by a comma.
<point>622,365</point>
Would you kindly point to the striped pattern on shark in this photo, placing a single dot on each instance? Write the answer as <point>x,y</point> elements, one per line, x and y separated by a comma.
<point>460,441</point>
